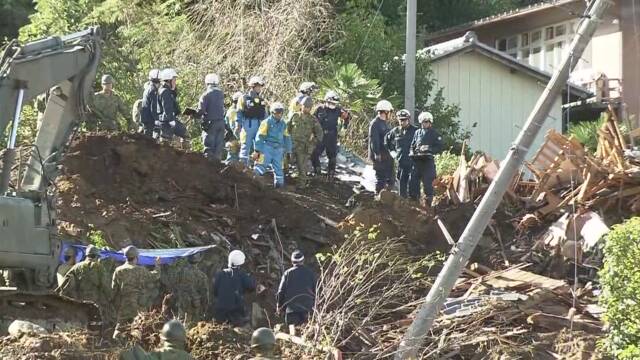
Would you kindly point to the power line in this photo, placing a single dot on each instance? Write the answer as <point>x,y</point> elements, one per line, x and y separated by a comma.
<point>368,31</point>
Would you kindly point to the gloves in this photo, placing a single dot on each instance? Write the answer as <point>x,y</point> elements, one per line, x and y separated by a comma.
<point>172,123</point>
<point>205,125</point>
<point>424,148</point>
<point>255,156</point>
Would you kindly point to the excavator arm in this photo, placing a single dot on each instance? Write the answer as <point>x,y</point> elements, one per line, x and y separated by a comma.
<point>65,67</point>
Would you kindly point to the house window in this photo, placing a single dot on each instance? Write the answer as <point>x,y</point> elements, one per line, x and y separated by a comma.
<point>502,44</point>
<point>549,58</point>
<point>536,57</point>
<point>524,56</point>
<point>561,30</point>
<point>512,43</point>
<point>548,33</point>
<point>572,28</point>
<point>559,52</point>
<point>524,39</point>
<point>535,36</point>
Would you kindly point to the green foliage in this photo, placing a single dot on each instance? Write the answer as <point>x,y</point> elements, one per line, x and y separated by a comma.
<point>15,13</point>
<point>442,14</point>
<point>620,278</point>
<point>586,132</point>
<point>445,120</point>
<point>96,237</point>
<point>446,163</point>
<point>359,94</point>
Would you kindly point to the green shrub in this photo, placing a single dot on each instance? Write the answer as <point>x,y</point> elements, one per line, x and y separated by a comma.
<point>446,163</point>
<point>586,132</point>
<point>620,279</point>
<point>96,237</point>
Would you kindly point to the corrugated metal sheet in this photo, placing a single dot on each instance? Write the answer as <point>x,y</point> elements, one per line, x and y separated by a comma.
<point>495,98</point>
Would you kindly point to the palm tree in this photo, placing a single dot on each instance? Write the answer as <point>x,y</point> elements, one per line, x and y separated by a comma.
<point>358,93</point>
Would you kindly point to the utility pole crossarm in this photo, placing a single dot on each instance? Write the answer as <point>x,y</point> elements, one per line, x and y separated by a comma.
<point>415,335</point>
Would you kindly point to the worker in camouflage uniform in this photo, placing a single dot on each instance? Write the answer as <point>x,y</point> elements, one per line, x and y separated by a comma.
<point>306,133</point>
<point>89,281</point>
<point>131,285</point>
<point>69,261</point>
<point>174,340</point>
<point>263,344</point>
<point>105,107</point>
<point>231,120</point>
<point>192,291</point>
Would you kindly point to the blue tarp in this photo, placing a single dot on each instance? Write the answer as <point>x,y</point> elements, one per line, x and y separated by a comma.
<point>147,256</point>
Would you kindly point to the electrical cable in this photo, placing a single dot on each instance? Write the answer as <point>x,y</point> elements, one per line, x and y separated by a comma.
<point>368,31</point>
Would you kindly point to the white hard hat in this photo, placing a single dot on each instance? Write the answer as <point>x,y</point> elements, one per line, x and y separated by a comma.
<point>403,114</point>
<point>256,80</point>
<point>236,258</point>
<point>307,87</point>
<point>237,95</point>
<point>277,107</point>
<point>154,74</point>
<point>212,79</point>
<point>168,74</point>
<point>332,97</point>
<point>384,105</point>
<point>425,116</point>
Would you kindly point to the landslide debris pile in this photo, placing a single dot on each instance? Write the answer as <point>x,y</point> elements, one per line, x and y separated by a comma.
<point>136,191</point>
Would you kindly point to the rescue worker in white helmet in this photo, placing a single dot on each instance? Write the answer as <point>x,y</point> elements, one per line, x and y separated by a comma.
<point>229,287</point>
<point>331,117</point>
<point>148,105</point>
<point>169,109</point>
<point>307,88</point>
<point>272,143</point>
<point>252,109</point>
<point>211,111</point>
<point>426,143</point>
<point>399,139</point>
<point>378,153</point>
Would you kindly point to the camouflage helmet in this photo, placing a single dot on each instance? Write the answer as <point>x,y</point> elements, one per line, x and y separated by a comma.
<point>92,251</point>
<point>130,252</point>
<point>70,251</point>
<point>107,79</point>
<point>263,338</point>
<point>173,331</point>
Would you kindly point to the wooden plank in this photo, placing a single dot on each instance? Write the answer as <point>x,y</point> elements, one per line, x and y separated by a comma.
<point>555,323</point>
<point>516,278</point>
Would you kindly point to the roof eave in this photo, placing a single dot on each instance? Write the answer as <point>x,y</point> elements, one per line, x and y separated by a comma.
<point>509,61</point>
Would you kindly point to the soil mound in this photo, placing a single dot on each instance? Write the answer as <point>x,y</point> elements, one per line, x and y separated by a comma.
<point>136,191</point>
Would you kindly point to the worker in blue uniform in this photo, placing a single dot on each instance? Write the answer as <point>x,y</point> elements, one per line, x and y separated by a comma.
<point>427,143</point>
<point>399,139</point>
<point>378,153</point>
<point>251,111</point>
<point>331,117</point>
<point>272,143</point>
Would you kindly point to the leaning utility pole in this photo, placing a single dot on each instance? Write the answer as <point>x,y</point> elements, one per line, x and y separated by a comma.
<point>410,59</point>
<point>462,251</point>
